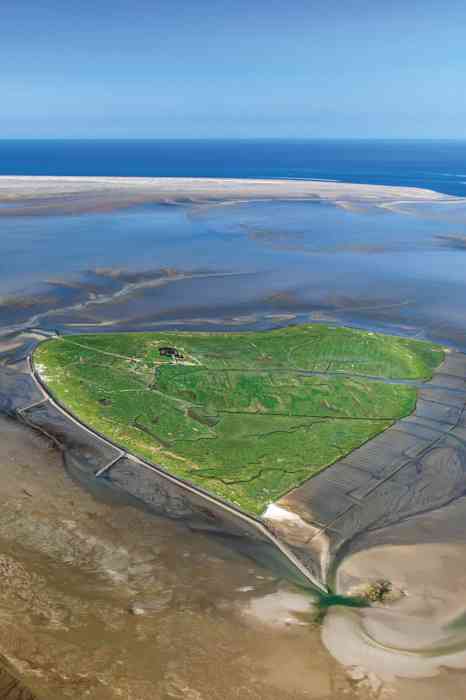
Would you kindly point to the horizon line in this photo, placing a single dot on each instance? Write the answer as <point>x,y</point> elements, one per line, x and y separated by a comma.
<point>234,138</point>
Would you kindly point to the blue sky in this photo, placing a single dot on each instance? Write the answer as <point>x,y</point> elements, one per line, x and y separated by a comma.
<point>218,68</point>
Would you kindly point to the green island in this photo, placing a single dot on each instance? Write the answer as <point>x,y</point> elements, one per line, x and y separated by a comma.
<point>245,415</point>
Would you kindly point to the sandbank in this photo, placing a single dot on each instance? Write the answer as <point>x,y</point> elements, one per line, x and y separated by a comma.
<point>34,195</point>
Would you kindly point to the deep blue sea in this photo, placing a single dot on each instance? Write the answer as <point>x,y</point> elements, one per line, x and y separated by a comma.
<point>437,165</point>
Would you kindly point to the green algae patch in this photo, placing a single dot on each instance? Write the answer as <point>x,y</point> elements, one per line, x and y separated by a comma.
<point>246,416</point>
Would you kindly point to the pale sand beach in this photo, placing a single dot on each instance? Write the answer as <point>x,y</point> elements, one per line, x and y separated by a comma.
<point>35,195</point>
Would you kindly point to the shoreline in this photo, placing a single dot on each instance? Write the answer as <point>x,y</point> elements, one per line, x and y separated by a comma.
<point>24,195</point>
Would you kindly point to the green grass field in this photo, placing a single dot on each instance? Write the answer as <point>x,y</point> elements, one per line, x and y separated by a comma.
<point>238,415</point>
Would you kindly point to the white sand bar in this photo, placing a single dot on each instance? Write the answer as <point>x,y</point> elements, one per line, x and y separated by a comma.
<point>35,195</point>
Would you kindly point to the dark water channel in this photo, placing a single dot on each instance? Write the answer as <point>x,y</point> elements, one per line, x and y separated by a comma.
<point>102,599</point>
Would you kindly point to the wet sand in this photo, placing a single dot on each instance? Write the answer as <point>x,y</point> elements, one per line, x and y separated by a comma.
<point>103,600</point>
<point>420,642</point>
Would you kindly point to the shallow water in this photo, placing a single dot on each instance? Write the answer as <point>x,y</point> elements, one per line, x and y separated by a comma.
<point>258,263</point>
<point>103,600</point>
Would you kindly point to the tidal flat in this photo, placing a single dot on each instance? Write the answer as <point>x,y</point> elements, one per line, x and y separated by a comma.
<point>157,601</point>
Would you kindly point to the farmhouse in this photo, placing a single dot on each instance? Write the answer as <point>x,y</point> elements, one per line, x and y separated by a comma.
<point>170,352</point>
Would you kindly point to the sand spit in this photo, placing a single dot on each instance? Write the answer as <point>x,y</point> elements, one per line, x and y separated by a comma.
<point>26,195</point>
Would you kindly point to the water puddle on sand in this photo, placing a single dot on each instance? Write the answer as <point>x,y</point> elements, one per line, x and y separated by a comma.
<point>103,600</point>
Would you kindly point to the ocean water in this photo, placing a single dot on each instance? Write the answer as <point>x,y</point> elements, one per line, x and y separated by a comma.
<point>437,165</point>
